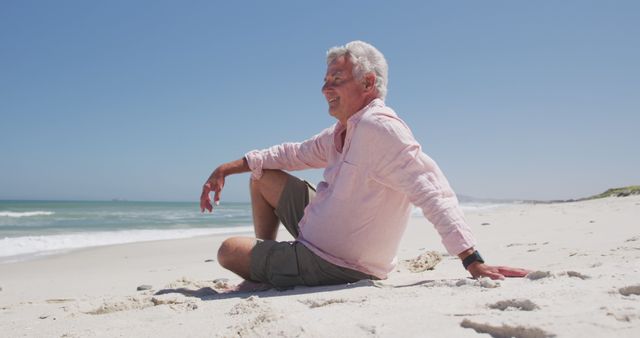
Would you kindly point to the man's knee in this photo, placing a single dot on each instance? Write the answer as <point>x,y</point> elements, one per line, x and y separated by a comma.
<point>268,176</point>
<point>225,252</point>
<point>270,186</point>
<point>234,250</point>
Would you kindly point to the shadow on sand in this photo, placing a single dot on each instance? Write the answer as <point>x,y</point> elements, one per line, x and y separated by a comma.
<point>263,290</point>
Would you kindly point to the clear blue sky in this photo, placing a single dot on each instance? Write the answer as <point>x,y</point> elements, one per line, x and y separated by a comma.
<point>143,99</point>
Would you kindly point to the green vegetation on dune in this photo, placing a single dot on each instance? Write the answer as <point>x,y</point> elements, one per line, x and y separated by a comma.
<point>618,192</point>
<point>613,192</point>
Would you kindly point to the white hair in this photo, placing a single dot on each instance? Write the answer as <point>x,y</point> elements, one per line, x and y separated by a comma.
<point>366,59</point>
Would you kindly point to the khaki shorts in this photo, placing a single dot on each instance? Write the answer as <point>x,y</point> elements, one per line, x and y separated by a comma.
<point>286,264</point>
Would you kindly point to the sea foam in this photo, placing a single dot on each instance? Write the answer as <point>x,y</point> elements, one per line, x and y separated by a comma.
<point>23,248</point>
<point>17,214</point>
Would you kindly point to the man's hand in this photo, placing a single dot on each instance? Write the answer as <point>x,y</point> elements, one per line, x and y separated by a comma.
<point>215,183</point>
<point>478,269</point>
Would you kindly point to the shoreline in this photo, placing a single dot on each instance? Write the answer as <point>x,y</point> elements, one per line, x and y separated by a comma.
<point>92,291</point>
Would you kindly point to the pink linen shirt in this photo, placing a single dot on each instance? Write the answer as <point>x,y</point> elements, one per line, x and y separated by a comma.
<point>362,207</point>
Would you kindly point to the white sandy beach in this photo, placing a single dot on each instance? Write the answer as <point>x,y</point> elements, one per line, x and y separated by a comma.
<point>585,252</point>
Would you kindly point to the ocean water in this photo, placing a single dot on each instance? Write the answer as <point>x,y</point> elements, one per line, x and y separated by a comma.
<point>32,228</point>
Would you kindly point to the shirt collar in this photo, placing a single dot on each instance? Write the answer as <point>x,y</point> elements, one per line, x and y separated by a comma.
<point>353,120</point>
<point>377,102</point>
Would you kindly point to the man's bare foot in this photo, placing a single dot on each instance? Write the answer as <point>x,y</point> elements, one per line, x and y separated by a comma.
<point>249,286</point>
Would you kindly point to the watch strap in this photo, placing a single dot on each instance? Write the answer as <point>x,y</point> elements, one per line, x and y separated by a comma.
<point>474,257</point>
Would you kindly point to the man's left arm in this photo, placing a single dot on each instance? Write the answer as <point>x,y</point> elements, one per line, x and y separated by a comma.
<point>403,166</point>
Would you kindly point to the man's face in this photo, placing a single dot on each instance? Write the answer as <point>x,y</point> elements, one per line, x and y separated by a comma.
<point>343,92</point>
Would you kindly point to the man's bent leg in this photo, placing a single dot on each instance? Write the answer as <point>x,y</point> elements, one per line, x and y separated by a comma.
<point>235,252</point>
<point>265,194</point>
<point>235,255</point>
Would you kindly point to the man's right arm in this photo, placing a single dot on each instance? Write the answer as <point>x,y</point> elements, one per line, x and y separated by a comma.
<point>309,154</point>
<point>216,180</point>
<point>287,156</point>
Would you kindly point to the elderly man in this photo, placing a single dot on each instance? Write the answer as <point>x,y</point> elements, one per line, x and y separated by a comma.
<point>350,227</point>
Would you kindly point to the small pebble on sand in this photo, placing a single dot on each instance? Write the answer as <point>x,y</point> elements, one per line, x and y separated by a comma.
<point>487,282</point>
<point>144,287</point>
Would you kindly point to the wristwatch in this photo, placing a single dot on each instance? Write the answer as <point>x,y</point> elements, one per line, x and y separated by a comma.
<point>474,257</point>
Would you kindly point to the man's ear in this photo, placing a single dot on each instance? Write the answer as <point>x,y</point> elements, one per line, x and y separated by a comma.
<point>369,81</point>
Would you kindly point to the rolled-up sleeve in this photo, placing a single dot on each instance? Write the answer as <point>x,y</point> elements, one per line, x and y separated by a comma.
<point>311,153</point>
<point>400,164</point>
